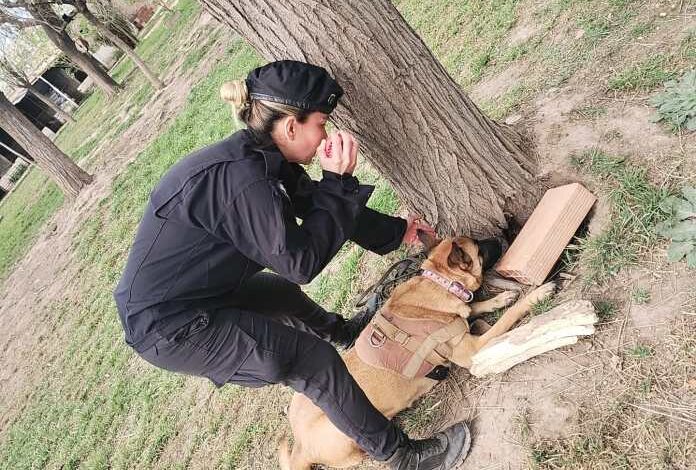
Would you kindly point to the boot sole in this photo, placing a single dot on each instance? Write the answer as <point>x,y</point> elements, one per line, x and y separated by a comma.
<point>464,453</point>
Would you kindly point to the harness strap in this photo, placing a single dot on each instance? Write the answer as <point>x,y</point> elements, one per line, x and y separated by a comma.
<point>431,343</point>
<point>384,329</point>
<point>432,348</point>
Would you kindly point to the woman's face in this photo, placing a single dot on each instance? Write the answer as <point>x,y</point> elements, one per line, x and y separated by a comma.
<point>298,141</point>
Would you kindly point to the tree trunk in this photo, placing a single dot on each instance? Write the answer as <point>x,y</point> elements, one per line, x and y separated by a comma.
<point>69,177</point>
<point>447,160</point>
<point>63,115</point>
<point>121,44</point>
<point>52,25</point>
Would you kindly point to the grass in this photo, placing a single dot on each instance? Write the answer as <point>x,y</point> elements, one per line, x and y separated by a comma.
<point>542,306</point>
<point>589,112</point>
<point>162,47</point>
<point>640,295</point>
<point>195,56</point>
<point>640,351</point>
<point>507,103</point>
<point>643,76</point>
<point>635,206</point>
<point>417,419</point>
<point>22,215</point>
<point>638,422</point>
<point>465,36</point>
<point>606,310</point>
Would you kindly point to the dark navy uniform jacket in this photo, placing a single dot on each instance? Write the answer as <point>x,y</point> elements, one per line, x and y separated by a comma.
<point>226,212</point>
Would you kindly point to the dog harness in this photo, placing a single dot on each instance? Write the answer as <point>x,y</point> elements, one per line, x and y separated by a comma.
<point>408,346</point>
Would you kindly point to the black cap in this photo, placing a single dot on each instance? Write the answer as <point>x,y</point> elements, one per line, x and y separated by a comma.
<point>294,83</point>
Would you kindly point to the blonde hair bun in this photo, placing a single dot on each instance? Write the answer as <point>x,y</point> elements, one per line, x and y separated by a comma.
<point>235,93</point>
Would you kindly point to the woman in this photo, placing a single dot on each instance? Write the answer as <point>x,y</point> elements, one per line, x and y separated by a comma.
<point>193,299</point>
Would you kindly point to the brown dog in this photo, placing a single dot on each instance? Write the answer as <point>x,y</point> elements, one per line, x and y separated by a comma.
<point>317,440</point>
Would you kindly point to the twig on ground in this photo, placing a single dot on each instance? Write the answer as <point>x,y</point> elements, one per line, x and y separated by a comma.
<point>650,410</point>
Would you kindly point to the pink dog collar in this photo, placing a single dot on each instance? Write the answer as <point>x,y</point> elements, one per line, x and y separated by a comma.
<point>453,287</point>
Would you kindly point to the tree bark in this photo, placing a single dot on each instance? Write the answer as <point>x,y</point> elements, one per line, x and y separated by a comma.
<point>63,115</point>
<point>59,167</point>
<point>120,43</point>
<point>52,25</point>
<point>445,158</point>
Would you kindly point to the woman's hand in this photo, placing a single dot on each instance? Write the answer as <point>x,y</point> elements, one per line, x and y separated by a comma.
<point>415,223</point>
<point>338,153</point>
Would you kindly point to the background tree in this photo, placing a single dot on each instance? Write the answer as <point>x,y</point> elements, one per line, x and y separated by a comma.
<point>26,14</point>
<point>115,39</point>
<point>59,167</point>
<point>458,168</point>
<point>114,19</point>
<point>12,74</point>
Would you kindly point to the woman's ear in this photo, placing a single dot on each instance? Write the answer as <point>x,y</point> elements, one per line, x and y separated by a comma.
<point>290,128</point>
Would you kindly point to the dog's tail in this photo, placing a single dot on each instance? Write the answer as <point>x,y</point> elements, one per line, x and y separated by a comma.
<point>291,459</point>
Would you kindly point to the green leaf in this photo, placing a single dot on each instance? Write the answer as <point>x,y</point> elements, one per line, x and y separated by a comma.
<point>683,231</point>
<point>691,124</point>
<point>684,209</point>
<point>664,228</point>
<point>689,193</point>
<point>677,250</point>
<point>691,259</point>
<point>668,204</point>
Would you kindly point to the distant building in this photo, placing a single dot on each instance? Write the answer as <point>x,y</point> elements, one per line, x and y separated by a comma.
<point>60,83</point>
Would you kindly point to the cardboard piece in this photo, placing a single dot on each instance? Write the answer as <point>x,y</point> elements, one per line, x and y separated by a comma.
<point>541,241</point>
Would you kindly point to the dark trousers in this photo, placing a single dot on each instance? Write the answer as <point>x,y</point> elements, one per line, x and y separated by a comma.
<point>270,332</point>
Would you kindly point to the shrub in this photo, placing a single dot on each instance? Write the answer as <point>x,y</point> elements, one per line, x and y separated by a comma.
<point>680,227</point>
<point>677,104</point>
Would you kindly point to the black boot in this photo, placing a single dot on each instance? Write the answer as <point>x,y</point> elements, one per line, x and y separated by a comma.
<point>444,451</point>
<point>347,334</point>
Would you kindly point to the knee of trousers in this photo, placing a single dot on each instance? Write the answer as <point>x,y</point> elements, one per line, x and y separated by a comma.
<point>320,360</point>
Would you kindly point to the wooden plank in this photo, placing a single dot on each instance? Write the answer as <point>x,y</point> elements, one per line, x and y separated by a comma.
<point>541,241</point>
<point>560,326</point>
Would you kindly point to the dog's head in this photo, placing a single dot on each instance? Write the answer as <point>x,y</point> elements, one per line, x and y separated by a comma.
<point>461,259</point>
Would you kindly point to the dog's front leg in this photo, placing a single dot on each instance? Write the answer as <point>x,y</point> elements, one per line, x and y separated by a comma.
<point>515,313</point>
<point>502,300</point>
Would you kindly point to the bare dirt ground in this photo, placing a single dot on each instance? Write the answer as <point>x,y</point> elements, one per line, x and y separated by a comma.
<point>43,277</point>
<point>546,397</point>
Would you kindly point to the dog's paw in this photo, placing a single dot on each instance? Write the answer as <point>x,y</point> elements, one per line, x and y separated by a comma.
<point>542,292</point>
<point>504,299</point>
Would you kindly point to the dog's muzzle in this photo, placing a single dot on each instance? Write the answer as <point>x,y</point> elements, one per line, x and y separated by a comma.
<point>491,249</point>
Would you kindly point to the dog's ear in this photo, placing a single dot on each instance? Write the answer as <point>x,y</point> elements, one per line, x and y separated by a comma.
<point>458,258</point>
<point>428,240</point>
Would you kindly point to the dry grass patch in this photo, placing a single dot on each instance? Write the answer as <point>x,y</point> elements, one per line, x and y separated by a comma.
<point>642,419</point>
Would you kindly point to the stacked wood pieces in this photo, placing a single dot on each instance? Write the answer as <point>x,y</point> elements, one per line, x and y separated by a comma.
<point>541,241</point>
<point>560,326</point>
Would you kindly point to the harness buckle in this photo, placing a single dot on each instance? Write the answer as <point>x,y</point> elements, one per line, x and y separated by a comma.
<point>458,289</point>
<point>401,337</point>
<point>377,338</point>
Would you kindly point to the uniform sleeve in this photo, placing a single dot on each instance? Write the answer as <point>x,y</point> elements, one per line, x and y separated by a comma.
<point>374,231</point>
<point>261,222</point>
<point>379,233</point>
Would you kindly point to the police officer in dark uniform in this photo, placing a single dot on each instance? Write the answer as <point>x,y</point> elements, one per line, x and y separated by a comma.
<point>193,297</point>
